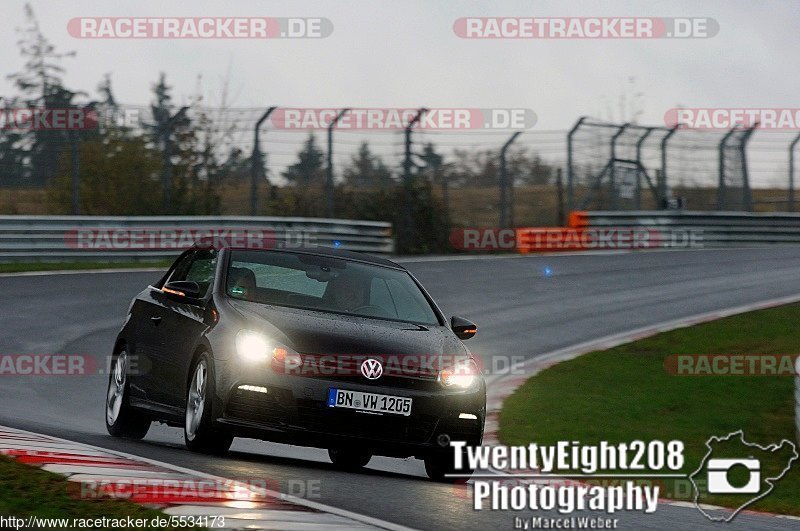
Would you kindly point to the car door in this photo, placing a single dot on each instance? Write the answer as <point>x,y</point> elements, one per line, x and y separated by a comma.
<point>148,312</point>
<point>183,325</point>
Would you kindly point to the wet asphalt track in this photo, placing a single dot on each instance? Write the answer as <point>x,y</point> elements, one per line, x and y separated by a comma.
<point>519,310</point>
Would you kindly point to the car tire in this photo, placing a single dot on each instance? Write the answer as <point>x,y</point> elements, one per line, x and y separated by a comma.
<point>440,466</point>
<point>199,434</point>
<point>349,459</point>
<point>122,420</point>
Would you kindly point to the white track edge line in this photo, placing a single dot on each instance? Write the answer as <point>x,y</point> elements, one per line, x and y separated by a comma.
<point>279,495</point>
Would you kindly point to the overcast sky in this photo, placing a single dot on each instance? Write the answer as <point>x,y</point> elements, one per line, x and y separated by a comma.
<point>405,53</point>
<point>392,53</point>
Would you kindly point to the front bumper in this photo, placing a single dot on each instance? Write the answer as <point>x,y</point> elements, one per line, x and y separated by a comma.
<point>294,410</point>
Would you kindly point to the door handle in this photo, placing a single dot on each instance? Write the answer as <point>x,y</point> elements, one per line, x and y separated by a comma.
<point>156,320</point>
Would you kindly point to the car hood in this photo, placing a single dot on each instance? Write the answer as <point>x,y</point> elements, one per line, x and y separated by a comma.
<point>314,332</point>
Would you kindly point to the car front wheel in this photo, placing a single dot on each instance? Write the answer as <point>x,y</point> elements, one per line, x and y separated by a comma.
<point>350,459</point>
<point>198,432</point>
<point>440,466</point>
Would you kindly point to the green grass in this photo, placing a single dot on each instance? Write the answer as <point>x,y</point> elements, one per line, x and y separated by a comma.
<point>72,266</point>
<point>28,491</point>
<point>625,393</point>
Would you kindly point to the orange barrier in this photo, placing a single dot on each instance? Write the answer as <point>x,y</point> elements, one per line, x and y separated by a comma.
<point>578,219</point>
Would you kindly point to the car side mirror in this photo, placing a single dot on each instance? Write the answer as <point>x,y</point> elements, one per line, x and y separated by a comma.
<point>182,289</point>
<point>462,328</point>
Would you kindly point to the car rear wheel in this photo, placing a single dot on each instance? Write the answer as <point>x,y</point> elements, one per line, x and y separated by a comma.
<point>121,419</point>
<point>198,431</point>
<point>348,458</point>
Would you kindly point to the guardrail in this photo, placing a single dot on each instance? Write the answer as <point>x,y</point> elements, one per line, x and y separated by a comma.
<point>716,229</point>
<point>123,238</point>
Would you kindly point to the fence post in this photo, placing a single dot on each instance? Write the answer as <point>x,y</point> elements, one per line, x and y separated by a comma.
<point>721,187</point>
<point>406,218</point>
<point>570,168</point>
<point>256,164</point>
<point>748,197</point>
<point>661,185</point>
<point>166,170</point>
<point>560,215</point>
<point>329,206</point>
<point>639,166</point>
<point>612,171</point>
<point>504,184</point>
<point>74,138</point>
<point>791,172</point>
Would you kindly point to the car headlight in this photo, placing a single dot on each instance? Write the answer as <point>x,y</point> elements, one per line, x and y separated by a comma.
<point>463,375</point>
<point>252,346</point>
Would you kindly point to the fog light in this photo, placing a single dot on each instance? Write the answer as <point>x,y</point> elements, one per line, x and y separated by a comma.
<point>253,388</point>
<point>468,416</point>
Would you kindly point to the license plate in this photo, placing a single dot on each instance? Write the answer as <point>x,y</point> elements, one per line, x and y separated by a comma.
<point>369,402</point>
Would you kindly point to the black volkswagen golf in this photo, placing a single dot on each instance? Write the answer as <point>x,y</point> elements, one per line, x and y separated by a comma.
<point>313,347</point>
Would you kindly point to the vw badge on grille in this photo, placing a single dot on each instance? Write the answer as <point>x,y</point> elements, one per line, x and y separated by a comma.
<point>371,369</point>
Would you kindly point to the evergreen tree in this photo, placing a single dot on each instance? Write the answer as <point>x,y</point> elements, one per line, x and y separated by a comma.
<point>367,170</point>
<point>41,87</point>
<point>309,168</point>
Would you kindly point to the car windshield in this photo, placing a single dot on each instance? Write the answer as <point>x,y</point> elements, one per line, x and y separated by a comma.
<point>327,283</point>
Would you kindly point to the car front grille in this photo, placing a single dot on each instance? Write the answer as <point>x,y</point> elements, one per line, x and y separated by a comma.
<point>315,416</point>
<point>397,374</point>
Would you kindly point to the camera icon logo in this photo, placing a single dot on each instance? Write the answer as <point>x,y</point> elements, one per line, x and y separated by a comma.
<point>720,483</point>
